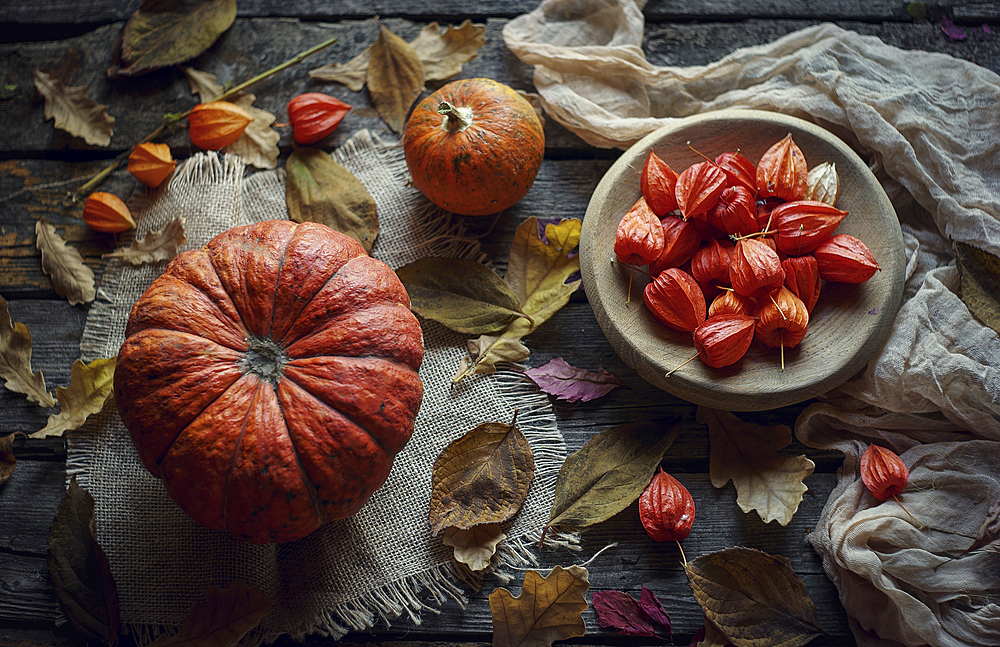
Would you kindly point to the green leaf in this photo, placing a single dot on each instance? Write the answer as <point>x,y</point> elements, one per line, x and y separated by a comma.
<point>917,10</point>
<point>80,572</point>
<point>980,283</point>
<point>754,598</point>
<point>464,295</point>
<point>162,33</point>
<point>319,189</point>
<point>608,473</point>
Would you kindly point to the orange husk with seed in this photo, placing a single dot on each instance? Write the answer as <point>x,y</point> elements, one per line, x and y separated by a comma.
<point>710,265</point>
<point>107,213</point>
<point>675,300</point>
<point>217,124</point>
<point>657,184</point>
<point>639,238</point>
<point>723,339</point>
<point>739,171</point>
<point>883,472</point>
<point>731,302</point>
<point>314,116</point>
<point>782,171</point>
<point>845,259</point>
<point>782,319</point>
<point>151,163</point>
<point>756,269</point>
<point>698,188</point>
<point>802,278</point>
<point>803,224</point>
<point>735,212</point>
<point>680,241</point>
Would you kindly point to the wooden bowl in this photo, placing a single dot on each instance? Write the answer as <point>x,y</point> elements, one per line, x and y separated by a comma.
<point>848,325</point>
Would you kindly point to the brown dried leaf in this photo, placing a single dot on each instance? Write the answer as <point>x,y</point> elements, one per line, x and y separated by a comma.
<point>64,265</point>
<point>7,459</point>
<point>747,453</point>
<point>160,34</point>
<point>318,189</point>
<point>483,477</point>
<point>15,360</point>
<point>395,77</point>
<point>823,184</point>
<point>226,616</point>
<point>979,273</point>
<point>476,546</point>
<point>352,73</point>
<point>443,55</point>
<point>753,597</point>
<point>88,390</point>
<point>79,568</point>
<point>547,609</point>
<point>73,111</point>
<point>155,246</point>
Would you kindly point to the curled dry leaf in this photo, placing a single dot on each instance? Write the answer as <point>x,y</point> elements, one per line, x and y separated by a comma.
<point>608,473</point>
<point>476,546</point>
<point>318,189</point>
<point>395,77</point>
<point>7,459</point>
<point>161,34</point>
<point>79,568</point>
<point>88,390</point>
<point>226,616</point>
<point>64,265</point>
<point>547,609</point>
<point>747,453</point>
<point>557,377</point>
<point>352,73</point>
<point>979,273</point>
<point>15,361</point>
<point>464,295</point>
<point>483,477</point>
<point>537,272</point>
<point>754,598</point>
<point>155,246</point>
<point>73,111</point>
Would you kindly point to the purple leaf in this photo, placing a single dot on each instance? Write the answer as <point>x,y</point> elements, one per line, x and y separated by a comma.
<point>697,638</point>
<point>951,30</point>
<point>617,610</point>
<point>569,383</point>
<point>650,604</point>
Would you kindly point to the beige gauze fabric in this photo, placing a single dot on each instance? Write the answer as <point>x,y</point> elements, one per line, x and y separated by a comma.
<point>349,575</point>
<point>928,125</point>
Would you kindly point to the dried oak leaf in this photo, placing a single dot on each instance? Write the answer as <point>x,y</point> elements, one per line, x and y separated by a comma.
<point>747,453</point>
<point>73,111</point>
<point>79,568</point>
<point>258,145</point>
<point>619,610</point>
<point>754,598</point>
<point>979,273</point>
<point>464,295</point>
<point>395,77</point>
<point>155,246</point>
<point>15,361</point>
<point>88,390</point>
<point>64,265</point>
<point>608,473</point>
<point>476,546</point>
<point>537,272</point>
<point>7,459</point>
<point>318,189</point>
<point>557,377</point>
<point>482,477</point>
<point>547,609</point>
<point>226,616</point>
<point>162,33</point>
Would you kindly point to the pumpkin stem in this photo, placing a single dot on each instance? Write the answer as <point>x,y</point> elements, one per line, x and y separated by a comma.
<point>456,118</point>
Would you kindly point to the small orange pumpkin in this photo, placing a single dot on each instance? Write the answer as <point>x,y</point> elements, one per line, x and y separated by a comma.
<point>474,147</point>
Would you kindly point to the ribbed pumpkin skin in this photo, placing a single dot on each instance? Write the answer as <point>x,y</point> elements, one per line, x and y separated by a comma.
<point>269,378</point>
<point>485,168</point>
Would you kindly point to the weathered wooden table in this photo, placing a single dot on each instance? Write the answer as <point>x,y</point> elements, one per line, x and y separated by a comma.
<point>39,164</point>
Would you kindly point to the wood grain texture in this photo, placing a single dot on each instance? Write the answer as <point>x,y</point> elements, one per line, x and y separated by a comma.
<point>848,324</point>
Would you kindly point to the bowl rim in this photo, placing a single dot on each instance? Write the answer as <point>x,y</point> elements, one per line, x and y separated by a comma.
<point>723,388</point>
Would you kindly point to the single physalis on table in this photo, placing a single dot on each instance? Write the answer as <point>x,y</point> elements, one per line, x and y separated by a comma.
<point>744,249</point>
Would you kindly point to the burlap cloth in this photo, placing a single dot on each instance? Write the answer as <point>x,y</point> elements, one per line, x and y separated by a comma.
<point>348,575</point>
<point>929,125</point>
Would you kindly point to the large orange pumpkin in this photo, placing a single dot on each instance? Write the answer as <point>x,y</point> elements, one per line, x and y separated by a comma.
<point>474,147</point>
<point>269,378</point>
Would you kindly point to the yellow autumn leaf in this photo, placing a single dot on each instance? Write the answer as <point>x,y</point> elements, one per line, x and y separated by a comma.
<point>73,111</point>
<point>747,453</point>
<point>89,388</point>
<point>547,609</point>
<point>476,546</point>
<point>537,271</point>
<point>15,361</point>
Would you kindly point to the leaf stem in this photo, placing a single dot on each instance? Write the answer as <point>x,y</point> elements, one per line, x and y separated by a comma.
<point>681,548</point>
<point>173,119</point>
<point>920,526</point>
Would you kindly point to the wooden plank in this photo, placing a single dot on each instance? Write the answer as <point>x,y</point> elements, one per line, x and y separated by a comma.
<point>26,595</point>
<point>28,503</point>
